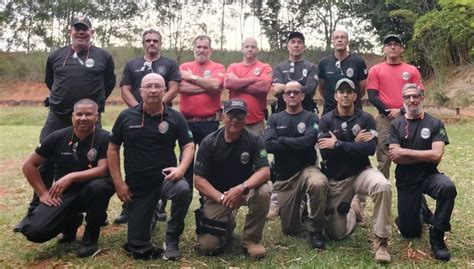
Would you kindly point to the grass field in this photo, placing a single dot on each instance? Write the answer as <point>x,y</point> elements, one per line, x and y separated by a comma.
<point>19,130</point>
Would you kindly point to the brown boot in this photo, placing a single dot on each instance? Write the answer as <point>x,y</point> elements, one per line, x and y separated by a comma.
<point>381,250</point>
<point>255,250</point>
<point>273,212</point>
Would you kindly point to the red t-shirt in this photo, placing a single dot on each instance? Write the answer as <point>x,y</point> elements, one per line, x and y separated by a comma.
<point>201,104</point>
<point>256,101</point>
<point>389,79</point>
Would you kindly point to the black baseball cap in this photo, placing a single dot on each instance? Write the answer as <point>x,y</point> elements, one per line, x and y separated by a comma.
<point>392,37</point>
<point>235,104</point>
<point>297,35</point>
<point>81,20</point>
<point>345,83</point>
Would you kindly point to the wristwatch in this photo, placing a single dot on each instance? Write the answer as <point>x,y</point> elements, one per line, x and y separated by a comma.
<point>222,198</point>
<point>246,189</point>
<point>195,78</point>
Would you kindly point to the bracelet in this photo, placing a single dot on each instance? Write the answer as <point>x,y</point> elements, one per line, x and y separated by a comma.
<point>222,198</point>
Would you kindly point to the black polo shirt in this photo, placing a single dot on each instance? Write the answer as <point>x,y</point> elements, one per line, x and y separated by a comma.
<point>417,134</point>
<point>332,70</point>
<point>136,69</point>
<point>291,138</point>
<point>352,157</point>
<point>305,73</point>
<point>70,79</point>
<point>226,165</point>
<point>71,154</point>
<point>149,147</point>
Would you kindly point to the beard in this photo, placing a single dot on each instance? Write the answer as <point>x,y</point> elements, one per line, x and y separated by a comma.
<point>413,112</point>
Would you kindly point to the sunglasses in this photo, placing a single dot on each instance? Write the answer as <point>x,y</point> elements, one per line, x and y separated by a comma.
<point>239,115</point>
<point>410,96</point>
<point>290,92</point>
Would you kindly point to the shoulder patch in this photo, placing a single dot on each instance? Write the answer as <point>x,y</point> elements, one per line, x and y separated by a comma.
<point>263,153</point>
<point>442,132</point>
<point>190,134</point>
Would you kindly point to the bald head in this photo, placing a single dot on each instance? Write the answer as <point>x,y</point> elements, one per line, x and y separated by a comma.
<point>152,77</point>
<point>293,85</point>
<point>250,49</point>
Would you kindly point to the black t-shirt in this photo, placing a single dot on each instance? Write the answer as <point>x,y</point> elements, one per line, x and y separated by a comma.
<point>149,147</point>
<point>137,68</point>
<point>291,138</point>
<point>71,154</point>
<point>305,73</point>
<point>352,157</point>
<point>226,165</point>
<point>418,134</point>
<point>332,70</point>
<point>89,75</point>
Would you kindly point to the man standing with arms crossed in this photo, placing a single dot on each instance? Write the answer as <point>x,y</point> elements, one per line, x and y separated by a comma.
<point>341,64</point>
<point>200,93</point>
<point>250,80</point>
<point>80,70</point>
<point>134,71</point>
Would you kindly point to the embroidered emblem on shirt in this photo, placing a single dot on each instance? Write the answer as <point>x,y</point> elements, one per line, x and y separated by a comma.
<point>442,132</point>
<point>425,133</point>
<point>256,71</point>
<point>92,154</point>
<point>344,126</point>
<point>406,76</point>
<point>161,70</point>
<point>163,127</point>
<point>356,129</point>
<point>244,157</point>
<point>301,127</point>
<point>90,62</point>
<point>374,133</point>
<point>305,72</point>
<point>263,153</point>
<point>350,72</point>
<point>207,73</point>
<point>315,126</point>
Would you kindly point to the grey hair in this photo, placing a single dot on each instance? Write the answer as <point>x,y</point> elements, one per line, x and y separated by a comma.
<point>151,31</point>
<point>411,86</point>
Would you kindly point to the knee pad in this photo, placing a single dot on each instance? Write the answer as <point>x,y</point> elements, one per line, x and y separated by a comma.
<point>209,226</point>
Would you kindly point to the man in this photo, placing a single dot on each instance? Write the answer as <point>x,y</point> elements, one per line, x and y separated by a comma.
<point>347,139</point>
<point>291,136</point>
<point>74,72</point>
<point>134,71</point>
<point>297,69</point>
<point>82,182</point>
<point>250,80</point>
<point>333,68</point>
<point>416,141</point>
<point>149,132</point>
<point>200,93</point>
<point>340,65</point>
<point>384,86</point>
<point>151,62</point>
<point>232,170</point>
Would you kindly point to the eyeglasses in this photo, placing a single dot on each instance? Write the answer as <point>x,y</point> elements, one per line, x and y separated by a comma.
<point>154,87</point>
<point>290,92</point>
<point>152,41</point>
<point>410,96</point>
<point>236,115</point>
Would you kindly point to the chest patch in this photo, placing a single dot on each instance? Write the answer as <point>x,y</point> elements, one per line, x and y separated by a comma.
<point>161,70</point>
<point>207,74</point>
<point>244,157</point>
<point>90,62</point>
<point>350,72</point>
<point>301,127</point>
<point>92,154</point>
<point>406,76</point>
<point>305,72</point>
<point>256,71</point>
<point>356,129</point>
<point>425,133</point>
<point>163,127</point>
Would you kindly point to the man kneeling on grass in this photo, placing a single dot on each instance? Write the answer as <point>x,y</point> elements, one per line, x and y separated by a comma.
<point>232,170</point>
<point>82,182</point>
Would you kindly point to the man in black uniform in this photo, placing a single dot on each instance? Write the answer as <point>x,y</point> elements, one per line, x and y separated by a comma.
<point>231,170</point>
<point>341,64</point>
<point>297,69</point>
<point>74,72</point>
<point>149,132</point>
<point>291,135</point>
<point>82,182</point>
<point>151,62</point>
<point>133,72</point>
<point>416,144</point>
<point>347,139</point>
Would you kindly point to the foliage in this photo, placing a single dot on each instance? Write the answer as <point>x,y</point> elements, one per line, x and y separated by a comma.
<point>445,37</point>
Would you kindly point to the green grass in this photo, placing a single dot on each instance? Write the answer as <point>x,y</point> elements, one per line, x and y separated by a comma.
<point>283,251</point>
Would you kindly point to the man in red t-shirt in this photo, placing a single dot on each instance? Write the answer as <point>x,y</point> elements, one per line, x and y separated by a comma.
<point>200,93</point>
<point>384,87</point>
<point>250,80</point>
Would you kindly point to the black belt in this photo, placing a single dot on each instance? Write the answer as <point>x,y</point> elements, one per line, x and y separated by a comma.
<point>199,119</point>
